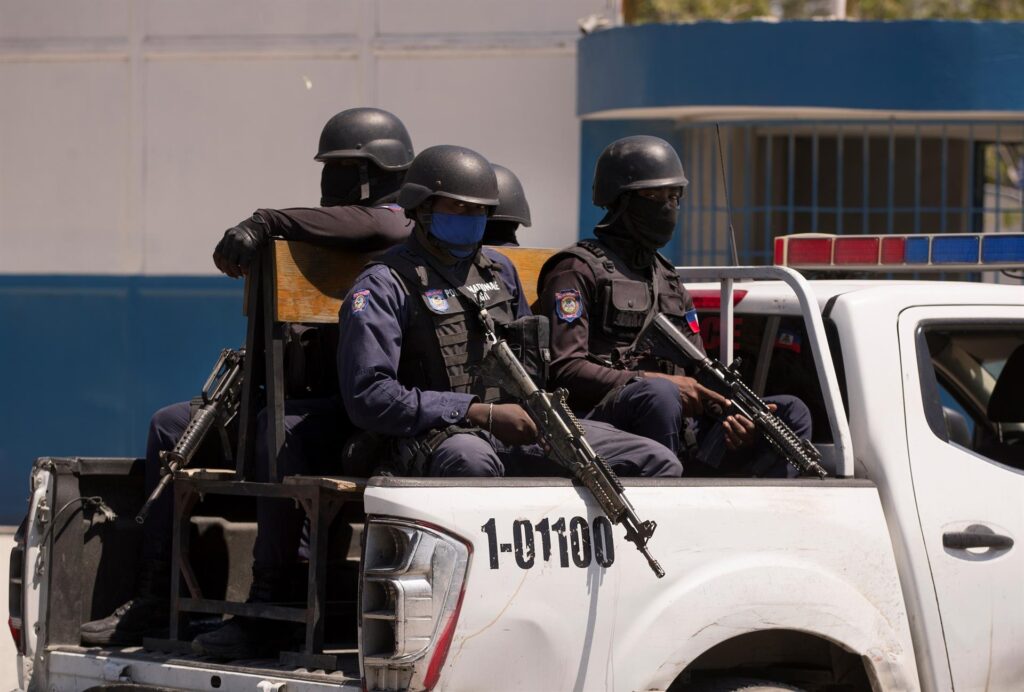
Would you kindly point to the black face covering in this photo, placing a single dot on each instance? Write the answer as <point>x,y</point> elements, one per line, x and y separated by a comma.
<point>652,221</point>
<point>501,233</point>
<point>339,185</point>
<point>636,228</point>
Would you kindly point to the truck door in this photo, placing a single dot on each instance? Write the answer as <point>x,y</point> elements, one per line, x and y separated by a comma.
<point>965,432</point>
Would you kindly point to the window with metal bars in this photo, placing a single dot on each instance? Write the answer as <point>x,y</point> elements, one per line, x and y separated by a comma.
<point>846,177</point>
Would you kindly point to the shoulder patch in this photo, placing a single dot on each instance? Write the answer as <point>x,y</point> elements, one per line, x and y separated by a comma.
<point>360,299</point>
<point>691,321</point>
<point>568,305</point>
<point>436,300</point>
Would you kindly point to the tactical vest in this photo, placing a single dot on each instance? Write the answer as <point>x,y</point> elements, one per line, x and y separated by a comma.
<point>443,340</point>
<point>625,301</point>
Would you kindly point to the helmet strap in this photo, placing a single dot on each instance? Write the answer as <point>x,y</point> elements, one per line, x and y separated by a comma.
<point>615,212</point>
<point>432,244</point>
<point>364,181</point>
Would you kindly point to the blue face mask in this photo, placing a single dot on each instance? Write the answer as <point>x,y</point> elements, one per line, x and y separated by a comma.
<point>460,233</point>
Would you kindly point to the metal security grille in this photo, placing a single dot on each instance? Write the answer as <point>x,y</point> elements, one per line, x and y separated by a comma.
<point>847,177</point>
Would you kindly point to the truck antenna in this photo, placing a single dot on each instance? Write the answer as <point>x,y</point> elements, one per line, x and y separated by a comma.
<point>728,201</point>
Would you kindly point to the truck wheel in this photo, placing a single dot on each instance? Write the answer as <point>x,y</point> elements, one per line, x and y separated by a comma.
<point>737,685</point>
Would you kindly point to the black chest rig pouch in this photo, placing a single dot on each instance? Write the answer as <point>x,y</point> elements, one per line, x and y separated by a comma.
<point>443,339</point>
<point>627,300</point>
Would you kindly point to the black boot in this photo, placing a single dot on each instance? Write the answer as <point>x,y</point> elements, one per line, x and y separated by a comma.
<point>242,637</point>
<point>248,637</point>
<point>146,613</point>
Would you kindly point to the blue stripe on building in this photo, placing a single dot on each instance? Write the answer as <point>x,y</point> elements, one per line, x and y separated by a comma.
<point>87,359</point>
<point>916,66</point>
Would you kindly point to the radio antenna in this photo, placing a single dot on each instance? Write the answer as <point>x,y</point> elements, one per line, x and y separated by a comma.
<point>728,201</point>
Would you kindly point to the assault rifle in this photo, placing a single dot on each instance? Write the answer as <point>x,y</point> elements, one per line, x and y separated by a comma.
<point>563,435</point>
<point>221,395</point>
<point>665,339</point>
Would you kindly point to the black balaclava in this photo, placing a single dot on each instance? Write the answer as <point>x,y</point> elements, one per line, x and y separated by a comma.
<point>637,227</point>
<point>501,233</point>
<point>363,183</point>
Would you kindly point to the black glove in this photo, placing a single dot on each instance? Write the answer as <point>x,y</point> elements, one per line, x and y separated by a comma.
<point>240,245</point>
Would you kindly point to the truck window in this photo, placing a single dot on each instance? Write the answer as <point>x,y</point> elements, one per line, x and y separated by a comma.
<point>790,367</point>
<point>978,375</point>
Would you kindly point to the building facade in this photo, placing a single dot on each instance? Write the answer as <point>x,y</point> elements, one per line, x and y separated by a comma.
<point>835,127</point>
<point>133,132</point>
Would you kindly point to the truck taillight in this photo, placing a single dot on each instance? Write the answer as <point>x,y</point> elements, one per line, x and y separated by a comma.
<point>15,633</point>
<point>15,588</point>
<point>410,594</point>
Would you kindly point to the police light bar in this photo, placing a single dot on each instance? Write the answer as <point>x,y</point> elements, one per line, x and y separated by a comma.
<point>895,253</point>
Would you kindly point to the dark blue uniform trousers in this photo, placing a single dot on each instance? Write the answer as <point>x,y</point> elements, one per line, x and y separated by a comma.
<point>652,407</point>
<point>315,431</point>
<point>481,454</point>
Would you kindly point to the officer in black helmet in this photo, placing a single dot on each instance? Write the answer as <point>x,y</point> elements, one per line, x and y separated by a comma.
<point>410,339</point>
<point>365,152</point>
<point>513,210</point>
<point>599,294</point>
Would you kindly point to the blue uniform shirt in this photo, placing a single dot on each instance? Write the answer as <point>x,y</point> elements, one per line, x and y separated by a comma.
<point>372,320</point>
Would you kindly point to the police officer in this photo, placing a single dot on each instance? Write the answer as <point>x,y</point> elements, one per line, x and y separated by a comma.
<point>513,210</point>
<point>600,294</point>
<point>365,152</point>
<point>410,339</point>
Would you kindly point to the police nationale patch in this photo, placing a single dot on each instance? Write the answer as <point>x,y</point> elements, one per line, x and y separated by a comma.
<point>691,321</point>
<point>568,305</point>
<point>436,300</point>
<point>360,299</point>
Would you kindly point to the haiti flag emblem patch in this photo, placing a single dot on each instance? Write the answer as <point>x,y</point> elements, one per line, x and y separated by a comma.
<point>568,305</point>
<point>691,321</point>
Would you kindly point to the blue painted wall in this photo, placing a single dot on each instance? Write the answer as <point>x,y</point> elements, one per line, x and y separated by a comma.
<point>913,65</point>
<point>87,359</point>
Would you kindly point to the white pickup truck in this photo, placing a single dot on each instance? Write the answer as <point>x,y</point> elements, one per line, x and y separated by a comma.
<point>899,572</point>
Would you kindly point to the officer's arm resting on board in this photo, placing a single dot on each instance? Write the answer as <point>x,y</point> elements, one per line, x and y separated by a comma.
<point>349,226</point>
<point>371,322</point>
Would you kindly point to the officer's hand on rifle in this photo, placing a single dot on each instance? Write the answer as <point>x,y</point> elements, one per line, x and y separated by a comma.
<point>510,423</point>
<point>740,431</point>
<point>239,247</point>
<point>696,397</point>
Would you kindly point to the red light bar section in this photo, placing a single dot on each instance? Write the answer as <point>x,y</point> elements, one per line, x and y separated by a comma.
<point>780,251</point>
<point>712,300</point>
<point>854,250</point>
<point>893,250</point>
<point>809,251</point>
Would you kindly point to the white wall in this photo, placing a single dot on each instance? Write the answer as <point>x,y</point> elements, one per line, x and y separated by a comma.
<point>133,133</point>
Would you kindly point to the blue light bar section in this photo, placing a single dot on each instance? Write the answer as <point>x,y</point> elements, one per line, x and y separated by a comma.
<point>916,251</point>
<point>1002,248</point>
<point>954,250</point>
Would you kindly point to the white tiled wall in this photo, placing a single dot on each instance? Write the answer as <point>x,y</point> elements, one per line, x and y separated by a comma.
<point>133,133</point>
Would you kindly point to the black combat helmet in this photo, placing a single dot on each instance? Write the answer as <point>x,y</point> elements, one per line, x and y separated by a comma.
<point>635,163</point>
<point>449,171</point>
<point>366,133</point>
<point>512,205</point>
